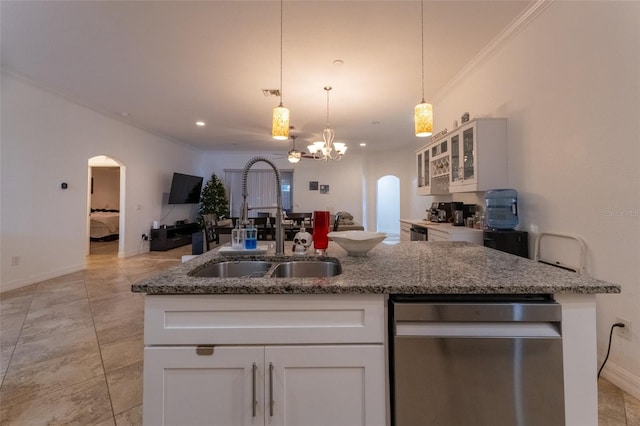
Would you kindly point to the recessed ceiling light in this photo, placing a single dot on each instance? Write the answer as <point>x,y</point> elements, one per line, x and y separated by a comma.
<point>363,144</point>
<point>338,62</point>
<point>125,114</point>
<point>200,123</point>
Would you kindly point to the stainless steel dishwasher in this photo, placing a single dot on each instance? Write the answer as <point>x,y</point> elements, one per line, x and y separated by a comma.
<point>474,360</point>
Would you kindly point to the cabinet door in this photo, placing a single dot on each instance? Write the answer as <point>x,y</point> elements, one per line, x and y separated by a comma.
<point>420,170</point>
<point>325,385</point>
<point>216,387</point>
<point>469,154</point>
<point>437,235</point>
<point>455,159</point>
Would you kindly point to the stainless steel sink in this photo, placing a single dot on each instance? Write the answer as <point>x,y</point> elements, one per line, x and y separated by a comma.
<point>307,269</point>
<point>270,268</point>
<point>235,269</point>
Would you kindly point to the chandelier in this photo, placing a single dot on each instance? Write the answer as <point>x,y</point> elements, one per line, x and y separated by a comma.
<point>327,149</point>
<point>294,155</point>
<point>423,116</point>
<point>280,118</point>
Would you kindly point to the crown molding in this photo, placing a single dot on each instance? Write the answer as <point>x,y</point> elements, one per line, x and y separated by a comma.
<point>496,44</point>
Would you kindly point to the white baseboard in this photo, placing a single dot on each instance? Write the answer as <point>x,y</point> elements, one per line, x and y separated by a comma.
<point>12,285</point>
<point>622,378</point>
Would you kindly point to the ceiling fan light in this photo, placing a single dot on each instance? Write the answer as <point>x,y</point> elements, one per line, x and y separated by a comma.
<point>280,124</point>
<point>294,156</point>
<point>423,119</point>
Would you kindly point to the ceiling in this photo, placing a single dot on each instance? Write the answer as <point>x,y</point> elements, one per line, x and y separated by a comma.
<point>163,65</point>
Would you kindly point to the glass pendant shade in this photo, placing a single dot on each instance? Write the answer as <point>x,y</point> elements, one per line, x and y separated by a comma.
<point>280,125</point>
<point>424,119</point>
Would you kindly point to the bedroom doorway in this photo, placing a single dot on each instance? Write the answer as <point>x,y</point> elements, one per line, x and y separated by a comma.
<point>105,199</point>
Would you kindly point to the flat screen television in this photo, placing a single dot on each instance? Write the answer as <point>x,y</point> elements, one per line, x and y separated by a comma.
<point>185,189</point>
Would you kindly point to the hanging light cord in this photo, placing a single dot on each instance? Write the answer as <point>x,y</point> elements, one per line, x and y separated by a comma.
<point>281,18</point>
<point>327,88</point>
<point>422,40</point>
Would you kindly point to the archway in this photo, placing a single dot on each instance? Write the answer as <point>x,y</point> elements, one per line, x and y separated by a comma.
<point>105,204</point>
<point>388,206</point>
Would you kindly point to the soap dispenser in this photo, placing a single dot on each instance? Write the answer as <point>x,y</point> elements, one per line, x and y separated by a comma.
<point>251,237</point>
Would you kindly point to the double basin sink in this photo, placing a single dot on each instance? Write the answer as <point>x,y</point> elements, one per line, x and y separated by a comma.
<point>270,268</point>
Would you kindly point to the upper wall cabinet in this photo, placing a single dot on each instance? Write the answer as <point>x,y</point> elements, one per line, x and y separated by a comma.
<point>472,157</point>
<point>479,155</point>
<point>434,168</point>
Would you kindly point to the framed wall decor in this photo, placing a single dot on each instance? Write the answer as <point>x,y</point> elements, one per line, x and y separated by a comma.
<point>313,185</point>
<point>324,189</point>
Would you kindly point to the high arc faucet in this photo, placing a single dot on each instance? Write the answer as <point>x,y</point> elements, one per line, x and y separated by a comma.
<point>245,206</point>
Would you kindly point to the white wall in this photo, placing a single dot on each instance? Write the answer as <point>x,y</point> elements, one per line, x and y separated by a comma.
<point>47,140</point>
<point>569,85</point>
<point>400,162</point>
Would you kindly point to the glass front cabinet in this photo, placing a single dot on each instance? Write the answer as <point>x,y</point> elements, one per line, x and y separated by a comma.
<point>424,181</point>
<point>470,158</point>
<point>479,155</point>
<point>433,168</point>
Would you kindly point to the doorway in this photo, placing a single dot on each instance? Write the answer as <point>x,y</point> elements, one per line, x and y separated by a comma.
<point>105,203</point>
<point>388,206</point>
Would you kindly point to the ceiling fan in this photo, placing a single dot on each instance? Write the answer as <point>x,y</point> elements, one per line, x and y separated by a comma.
<point>295,155</point>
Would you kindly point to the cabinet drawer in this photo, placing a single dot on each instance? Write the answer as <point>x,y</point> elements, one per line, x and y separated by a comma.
<point>263,319</point>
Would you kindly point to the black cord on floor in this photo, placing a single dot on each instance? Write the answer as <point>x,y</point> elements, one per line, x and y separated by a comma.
<point>618,324</point>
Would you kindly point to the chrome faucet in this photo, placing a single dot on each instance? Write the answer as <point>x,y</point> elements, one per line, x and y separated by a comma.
<point>245,207</point>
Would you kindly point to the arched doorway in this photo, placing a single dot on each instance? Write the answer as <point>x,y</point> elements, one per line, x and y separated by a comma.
<point>388,206</point>
<point>105,203</point>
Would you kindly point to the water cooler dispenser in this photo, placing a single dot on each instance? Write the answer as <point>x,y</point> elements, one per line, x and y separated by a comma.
<point>501,219</point>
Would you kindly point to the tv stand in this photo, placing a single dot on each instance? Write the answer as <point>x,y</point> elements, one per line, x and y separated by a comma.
<point>168,238</point>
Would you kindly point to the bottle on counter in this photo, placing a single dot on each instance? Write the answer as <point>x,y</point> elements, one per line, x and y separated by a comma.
<point>251,237</point>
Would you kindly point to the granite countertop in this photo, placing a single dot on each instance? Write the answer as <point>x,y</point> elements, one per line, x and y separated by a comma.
<point>416,267</point>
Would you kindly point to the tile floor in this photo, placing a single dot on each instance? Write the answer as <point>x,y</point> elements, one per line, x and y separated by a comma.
<point>71,347</point>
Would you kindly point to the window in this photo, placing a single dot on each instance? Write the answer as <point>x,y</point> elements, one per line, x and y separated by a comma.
<point>261,190</point>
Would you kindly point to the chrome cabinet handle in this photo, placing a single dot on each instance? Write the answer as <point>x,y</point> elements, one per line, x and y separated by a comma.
<point>271,401</point>
<point>253,390</point>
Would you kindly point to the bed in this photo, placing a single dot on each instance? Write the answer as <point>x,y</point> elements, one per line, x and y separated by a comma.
<point>104,225</point>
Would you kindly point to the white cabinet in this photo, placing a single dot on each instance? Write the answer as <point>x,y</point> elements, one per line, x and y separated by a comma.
<point>325,385</point>
<point>446,232</point>
<point>470,158</point>
<point>232,360</point>
<point>479,155</point>
<point>255,385</point>
<point>405,231</point>
<point>433,168</point>
<point>183,387</point>
<point>422,169</point>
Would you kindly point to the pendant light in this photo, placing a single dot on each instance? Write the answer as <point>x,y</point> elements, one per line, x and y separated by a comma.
<point>294,155</point>
<point>280,120</point>
<point>327,149</point>
<point>424,112</point>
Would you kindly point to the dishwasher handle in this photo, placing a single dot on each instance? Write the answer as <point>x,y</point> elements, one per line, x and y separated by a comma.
<point>479,329</point>
<point>477,312</point>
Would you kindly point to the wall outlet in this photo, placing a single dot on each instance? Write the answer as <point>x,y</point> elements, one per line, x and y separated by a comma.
<point>624,332</point>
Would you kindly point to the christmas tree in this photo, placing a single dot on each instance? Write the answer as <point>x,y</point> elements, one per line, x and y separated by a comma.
<point>213,200</point>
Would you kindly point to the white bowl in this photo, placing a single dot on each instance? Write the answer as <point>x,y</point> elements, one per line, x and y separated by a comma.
<point>357,243</point>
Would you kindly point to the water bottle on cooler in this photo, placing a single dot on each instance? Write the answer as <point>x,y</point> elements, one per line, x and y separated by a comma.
<point>502,208</point>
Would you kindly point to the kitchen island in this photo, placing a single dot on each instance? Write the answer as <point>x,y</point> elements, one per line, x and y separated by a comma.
<point>339,321</point>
